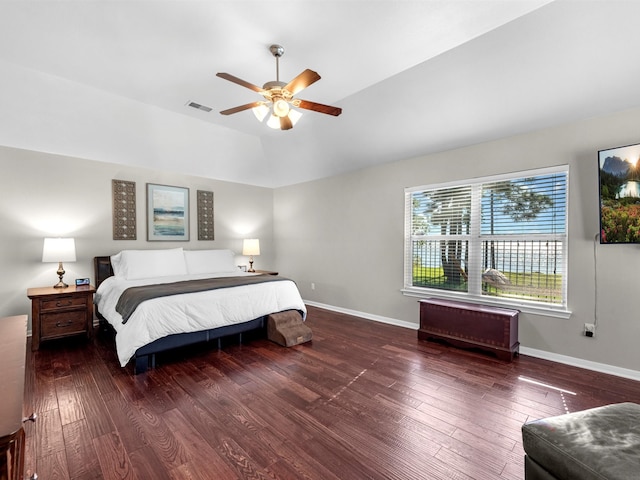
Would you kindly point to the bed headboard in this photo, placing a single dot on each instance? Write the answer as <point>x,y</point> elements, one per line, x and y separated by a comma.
<point>102,269</point>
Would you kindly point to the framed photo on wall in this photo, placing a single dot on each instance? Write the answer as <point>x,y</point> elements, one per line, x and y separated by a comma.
<point>167,213</point>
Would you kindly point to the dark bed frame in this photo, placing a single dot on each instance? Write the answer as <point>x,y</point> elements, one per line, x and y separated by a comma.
<point>145,356</point>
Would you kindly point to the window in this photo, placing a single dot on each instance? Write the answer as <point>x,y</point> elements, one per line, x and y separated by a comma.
<point>501,239</point>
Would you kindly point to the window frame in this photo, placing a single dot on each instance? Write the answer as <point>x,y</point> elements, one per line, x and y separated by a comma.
<point>475,238</point>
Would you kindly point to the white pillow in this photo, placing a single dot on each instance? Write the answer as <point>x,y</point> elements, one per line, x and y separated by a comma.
<point>136,264</point>
<point>210,261</point>
<point>116,262</point>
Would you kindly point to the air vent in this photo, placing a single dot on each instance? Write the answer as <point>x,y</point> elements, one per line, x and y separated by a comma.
<point>204,108</point>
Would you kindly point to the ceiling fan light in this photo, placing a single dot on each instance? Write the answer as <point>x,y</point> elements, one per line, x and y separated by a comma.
<point>281,108</point>
<point>294,116</point>
<point>274,122</point>
<point>261,111</point>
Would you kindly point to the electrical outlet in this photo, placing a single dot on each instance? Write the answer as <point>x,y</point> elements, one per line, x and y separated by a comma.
<point>589,329</point>
<point>313,286</point>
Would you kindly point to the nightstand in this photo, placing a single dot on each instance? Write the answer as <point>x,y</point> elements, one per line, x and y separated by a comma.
<point>266,272</point>
<point>60,312</point>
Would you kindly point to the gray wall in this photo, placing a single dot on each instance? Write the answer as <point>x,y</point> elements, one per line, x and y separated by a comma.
<point>345,235</point>
<point>50,195</point>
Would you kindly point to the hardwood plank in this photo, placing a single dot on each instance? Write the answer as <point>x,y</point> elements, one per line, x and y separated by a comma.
<point>53,465</point>
<point>97,417</point>
<point>161,438</point>
<point>82,460</point>
<point>240,460</point>
<point>126,422</point>
<point>49,439</point>
<point>69,404</point>
<point>294,461</point>
<point>146,464</point>
<point>202,457</point>
<point>44,391</point>
<point>337,454</point>
<point>189,471</point>
<point>114,461</point>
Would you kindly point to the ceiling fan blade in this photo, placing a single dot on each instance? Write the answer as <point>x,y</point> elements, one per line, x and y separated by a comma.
<point>241,82</point>
<point>318,107</point>
<point>285,123</point>
<point>240,108</point>
<point>302,81</point>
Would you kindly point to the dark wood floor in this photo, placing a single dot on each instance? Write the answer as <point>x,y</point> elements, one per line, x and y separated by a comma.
<point>362,400</point>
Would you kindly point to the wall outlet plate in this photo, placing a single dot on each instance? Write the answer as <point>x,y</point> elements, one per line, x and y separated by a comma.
<point>589,329</point>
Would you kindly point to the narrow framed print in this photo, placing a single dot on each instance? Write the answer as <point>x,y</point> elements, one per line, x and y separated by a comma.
<point>205,215</point>
<point>167,213</point>
<point>124,209</point>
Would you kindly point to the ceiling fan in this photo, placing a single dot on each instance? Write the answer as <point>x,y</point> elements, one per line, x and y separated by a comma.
<point>279,97</point>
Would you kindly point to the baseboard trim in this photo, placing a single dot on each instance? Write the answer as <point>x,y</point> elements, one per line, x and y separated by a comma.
<point>582,363</point>
<point>532,352</point>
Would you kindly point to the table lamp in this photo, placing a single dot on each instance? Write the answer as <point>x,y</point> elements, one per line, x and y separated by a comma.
<point>251,247</point>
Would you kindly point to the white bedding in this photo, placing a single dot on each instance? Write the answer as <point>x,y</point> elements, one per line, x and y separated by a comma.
<point>159,317</point>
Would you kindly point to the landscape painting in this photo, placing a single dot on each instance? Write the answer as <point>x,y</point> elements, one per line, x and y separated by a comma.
<point>619,178</point>
<point>167,213</point>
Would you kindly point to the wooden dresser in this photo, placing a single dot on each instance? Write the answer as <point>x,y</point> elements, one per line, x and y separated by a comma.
<point>13,344</point>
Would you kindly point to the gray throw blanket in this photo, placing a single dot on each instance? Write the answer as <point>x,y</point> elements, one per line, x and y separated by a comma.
<point>134,296</point>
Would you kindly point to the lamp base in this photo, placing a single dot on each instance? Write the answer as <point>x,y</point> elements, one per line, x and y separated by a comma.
<point>60,273</point>
<point>251,270</point>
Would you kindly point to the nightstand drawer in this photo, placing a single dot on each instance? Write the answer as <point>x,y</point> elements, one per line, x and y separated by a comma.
<point>63,323</point>
<point>63,302</point>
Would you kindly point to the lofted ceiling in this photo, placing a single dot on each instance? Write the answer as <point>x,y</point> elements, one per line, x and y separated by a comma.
<point>110,80</point>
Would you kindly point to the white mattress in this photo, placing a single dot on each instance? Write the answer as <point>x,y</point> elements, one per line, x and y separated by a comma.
<point>159,317</point>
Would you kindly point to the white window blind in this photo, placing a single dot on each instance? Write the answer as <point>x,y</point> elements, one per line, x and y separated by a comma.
<point>498,238</point>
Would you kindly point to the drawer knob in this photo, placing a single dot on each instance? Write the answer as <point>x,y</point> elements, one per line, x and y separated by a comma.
<point>61,303</point>
<point>65,324</point>
<point>30,418</point>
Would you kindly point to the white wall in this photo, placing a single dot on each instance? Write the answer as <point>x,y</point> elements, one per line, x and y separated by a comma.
<point>345,235</point>
<point>50,195</point>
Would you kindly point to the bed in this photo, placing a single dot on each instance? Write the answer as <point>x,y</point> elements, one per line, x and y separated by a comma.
<point>220,300</point>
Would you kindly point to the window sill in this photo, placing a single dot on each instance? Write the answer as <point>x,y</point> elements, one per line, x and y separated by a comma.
<point>525,307</point>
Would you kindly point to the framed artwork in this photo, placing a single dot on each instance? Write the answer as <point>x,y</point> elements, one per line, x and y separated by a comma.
<point>619,179</point>
<point>124,209</point>
<point>167,213</point>
<point>205,215</point>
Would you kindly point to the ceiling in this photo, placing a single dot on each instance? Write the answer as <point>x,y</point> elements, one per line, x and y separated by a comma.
<point>110,80</point>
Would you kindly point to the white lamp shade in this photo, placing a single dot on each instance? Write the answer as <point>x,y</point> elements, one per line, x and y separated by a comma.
<point>273,122</point>
<point>294,115</point>
<point>251,246</point>
<point>59,250</point>
<point>261,111</point>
